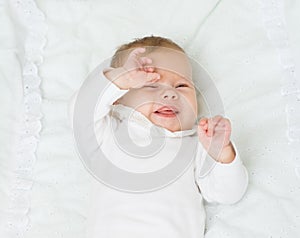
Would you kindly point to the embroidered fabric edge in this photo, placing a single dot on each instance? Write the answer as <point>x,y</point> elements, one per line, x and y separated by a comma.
<point>273,17</point>
<point>30,22</point>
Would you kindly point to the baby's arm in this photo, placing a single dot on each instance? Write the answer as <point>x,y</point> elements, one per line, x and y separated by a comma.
<point>115,82</point>
<point>228,179</point>
<point>224,183</point>
<point>110,92</point>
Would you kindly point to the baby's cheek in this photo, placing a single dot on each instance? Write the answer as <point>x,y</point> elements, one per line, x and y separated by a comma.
<point>190,117</point>
<point>191,105</point>
<point>130,99</point>
<point>145,109</point>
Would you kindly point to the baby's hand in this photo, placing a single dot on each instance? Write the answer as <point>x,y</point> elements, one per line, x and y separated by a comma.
<point>214,135</point>
<point>135,73</point>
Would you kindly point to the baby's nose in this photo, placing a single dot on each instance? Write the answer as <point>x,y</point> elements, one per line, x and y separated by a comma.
<point>169,94</point>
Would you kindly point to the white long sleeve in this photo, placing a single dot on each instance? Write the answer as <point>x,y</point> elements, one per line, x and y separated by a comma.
<point>221,183</point>
<point>108,95</point>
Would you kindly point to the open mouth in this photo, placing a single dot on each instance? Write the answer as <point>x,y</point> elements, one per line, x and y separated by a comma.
<point>167,111</point>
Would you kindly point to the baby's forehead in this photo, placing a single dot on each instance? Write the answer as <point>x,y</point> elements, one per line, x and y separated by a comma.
<point>172,61</point>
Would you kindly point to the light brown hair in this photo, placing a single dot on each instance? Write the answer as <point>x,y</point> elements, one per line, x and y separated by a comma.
<point>123,51</point>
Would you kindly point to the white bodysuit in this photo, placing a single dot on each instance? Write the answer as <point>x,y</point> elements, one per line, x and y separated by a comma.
<point>173,211</point>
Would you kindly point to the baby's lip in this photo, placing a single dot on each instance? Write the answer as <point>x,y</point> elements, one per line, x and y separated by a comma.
<point>167,109</point>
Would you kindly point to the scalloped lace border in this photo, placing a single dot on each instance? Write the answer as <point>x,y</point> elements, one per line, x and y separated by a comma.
<point>32,21</point>
<point>275,24</point>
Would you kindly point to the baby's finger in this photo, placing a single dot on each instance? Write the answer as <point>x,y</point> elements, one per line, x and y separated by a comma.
<point>225,122</point>
<point>220,128</point>
<point>145,60</point>
<point>203,124</point>
<point>201,131</point>
<point>152,77</point>
<point>202,135</point>
<point>149,69</point>
<point>133,60</point>
<point>137,51</point>
<point>203,121</point>
<point>211,124</point>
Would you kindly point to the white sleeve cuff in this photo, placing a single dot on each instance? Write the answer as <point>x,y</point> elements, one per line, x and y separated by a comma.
<point>220,182</point>
<point>108,96</point>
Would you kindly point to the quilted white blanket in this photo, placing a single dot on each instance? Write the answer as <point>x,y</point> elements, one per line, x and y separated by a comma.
<point>47,49</point>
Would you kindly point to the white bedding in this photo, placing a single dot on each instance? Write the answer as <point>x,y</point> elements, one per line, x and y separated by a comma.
<point>47,49</point>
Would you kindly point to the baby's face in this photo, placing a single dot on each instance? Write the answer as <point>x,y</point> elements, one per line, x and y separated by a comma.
<point>171,101</point>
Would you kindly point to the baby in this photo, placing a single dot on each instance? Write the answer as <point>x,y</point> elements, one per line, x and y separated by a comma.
<point>151,95</point>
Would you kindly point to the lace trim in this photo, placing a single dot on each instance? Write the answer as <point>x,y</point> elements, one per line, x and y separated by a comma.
<point>32,22</point>
<point>275,24</point>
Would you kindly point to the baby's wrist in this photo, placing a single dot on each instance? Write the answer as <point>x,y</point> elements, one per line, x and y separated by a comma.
<point>227,155</point>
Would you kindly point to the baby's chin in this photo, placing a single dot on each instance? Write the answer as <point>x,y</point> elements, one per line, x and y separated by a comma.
<point>172,126</point>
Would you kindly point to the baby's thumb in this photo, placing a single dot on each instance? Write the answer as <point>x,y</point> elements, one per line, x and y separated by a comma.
<point>201,131</point>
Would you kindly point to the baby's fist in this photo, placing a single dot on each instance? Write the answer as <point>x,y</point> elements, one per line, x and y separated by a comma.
<point>214,135</point>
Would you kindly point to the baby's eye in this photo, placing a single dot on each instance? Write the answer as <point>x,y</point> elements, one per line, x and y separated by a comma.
<point>182,85</point>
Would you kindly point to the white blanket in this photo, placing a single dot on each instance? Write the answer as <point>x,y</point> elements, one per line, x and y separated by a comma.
<point>47,49</point>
